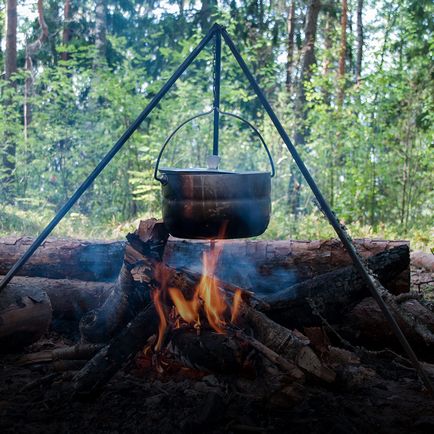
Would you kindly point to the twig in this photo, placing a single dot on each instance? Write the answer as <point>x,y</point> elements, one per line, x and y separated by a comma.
<point>279,361</point>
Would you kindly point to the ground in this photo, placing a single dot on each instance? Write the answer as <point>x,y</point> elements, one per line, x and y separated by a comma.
<point>380,397</point>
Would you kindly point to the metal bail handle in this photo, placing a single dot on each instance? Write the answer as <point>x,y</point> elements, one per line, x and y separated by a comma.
<point>163,179</point>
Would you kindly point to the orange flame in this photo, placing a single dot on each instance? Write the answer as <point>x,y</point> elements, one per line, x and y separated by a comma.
<point>236,305</point>
<point>207,298</point>
<point>162,326</point>
<point>187,309</point>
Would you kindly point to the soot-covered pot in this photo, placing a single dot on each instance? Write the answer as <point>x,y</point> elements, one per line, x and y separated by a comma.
<point>211,203</point>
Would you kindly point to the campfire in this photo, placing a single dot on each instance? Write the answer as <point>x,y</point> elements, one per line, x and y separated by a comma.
<point>207,307</point>
<point>195,311</point>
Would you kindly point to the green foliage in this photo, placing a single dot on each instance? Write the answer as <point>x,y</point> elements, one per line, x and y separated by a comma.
<point>372,156</point>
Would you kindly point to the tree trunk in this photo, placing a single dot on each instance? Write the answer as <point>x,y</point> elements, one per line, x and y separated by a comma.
<point>31,50</point>
<point>342,53</point>
<point>11,39</point>
<point>301,132</point>
<point>290,52</point>
<point>359,55</point>
<point>8,147</point>
<point>66,34</point>
<point>101,32</point>
<point>25,315</point>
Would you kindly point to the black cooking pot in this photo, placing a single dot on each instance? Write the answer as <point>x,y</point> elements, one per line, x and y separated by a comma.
<point>211,203</point>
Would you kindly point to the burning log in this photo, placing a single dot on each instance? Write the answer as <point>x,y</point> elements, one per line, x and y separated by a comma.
<point>127,298</point>
<point>188,296</point>
<point>332,294</point>
<point>121,348</point>
<point>25,315</point>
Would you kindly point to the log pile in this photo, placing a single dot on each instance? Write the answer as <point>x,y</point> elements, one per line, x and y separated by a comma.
<point>279,336</point>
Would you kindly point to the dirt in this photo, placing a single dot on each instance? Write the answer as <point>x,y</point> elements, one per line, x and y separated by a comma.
<point>378,395</point>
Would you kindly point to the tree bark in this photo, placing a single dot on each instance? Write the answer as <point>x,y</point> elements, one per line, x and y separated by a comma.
<point>301,111</point>
<point>290,47</point>
<point>66,34</point>
<point>64,259</point>
<point>70,299</point>
<point>128,297</point>
<point>359,55</point>
<point>100,32</point>
<point>331,294</point>
<point>266,264</point>
<point>8,146</point>
<point>25,315</point>
<point>31,50</point>
<point>342,53</point>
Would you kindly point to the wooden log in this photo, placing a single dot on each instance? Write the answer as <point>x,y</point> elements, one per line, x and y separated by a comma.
<point>366,324</point>
<point>332,294</point>
<point>423,260</point>
<point>25,315</point>
<point>145,247</point>
<point>121,348</point>
<point>266,265</point>
<point>207,351</point>
<point>70,299</point>
<point>94,260</point>
<point>262,262</point>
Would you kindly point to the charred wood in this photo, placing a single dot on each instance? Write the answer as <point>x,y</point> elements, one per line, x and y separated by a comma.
<point>270,263</point>
<point>25,315</point>
<point>127,299</point>
<point>70,299</point>
<point>332,294</point>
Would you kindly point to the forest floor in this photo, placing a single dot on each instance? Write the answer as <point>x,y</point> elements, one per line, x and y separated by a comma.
<point>387,398</point>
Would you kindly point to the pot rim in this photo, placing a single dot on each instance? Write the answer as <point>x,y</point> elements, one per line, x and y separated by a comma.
<point>205,171</point>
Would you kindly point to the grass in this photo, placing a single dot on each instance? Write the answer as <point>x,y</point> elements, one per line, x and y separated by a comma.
<point>17,221</point>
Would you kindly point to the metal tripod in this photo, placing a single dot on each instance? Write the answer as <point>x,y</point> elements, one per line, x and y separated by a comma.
<point>218,32</point>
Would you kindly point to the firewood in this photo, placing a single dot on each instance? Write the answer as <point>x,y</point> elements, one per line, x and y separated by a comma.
<point>291,345</point>
<point>121,348</point>
<point>268,261</point>
<point>334,293</point>
<point>70,299</point>
<point>207,351</point>
<point>94,260</point>
<point>366,323</point>
<point>423,260</point>
<point>76,352</point>
<point>127,298</point>
<point>269,264</point>
<point>25,315</point>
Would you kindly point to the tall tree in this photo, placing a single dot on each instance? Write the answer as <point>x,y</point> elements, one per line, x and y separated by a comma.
<point>342,52</point>
<point>101,31</point>
<point>290,47</point>
<point>66,33</point>
<point>9,146</point>
<point>31,50</point>
<point>359,53</point>
<point>301,110</point>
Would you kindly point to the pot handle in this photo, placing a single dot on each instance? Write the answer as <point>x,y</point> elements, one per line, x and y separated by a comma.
<point>163,179</point>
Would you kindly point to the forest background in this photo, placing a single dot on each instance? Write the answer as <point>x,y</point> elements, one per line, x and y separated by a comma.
<point>351,80</point>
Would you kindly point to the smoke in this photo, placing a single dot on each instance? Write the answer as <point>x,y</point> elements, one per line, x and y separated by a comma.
<point>236,268</point>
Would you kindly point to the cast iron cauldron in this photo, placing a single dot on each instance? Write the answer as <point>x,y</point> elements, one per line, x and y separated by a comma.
<point>212,203</point>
